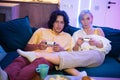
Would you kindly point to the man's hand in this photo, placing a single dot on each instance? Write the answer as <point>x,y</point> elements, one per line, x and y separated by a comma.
<point>42,45</point>
<point>57,48</point>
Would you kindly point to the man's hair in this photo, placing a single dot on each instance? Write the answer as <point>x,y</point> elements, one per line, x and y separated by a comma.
<point>53,18</point>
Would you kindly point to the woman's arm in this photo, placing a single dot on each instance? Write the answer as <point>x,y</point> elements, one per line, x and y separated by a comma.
<point>96,43</point>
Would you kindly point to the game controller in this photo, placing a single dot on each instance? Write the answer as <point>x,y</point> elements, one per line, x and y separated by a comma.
<point>51,43</point>
<point>86,39</point>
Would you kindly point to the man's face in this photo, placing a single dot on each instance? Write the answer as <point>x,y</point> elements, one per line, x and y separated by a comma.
<point>58,25</point>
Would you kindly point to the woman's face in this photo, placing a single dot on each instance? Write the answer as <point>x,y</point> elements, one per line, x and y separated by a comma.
<point>58,25</point>
<point>86,20</point>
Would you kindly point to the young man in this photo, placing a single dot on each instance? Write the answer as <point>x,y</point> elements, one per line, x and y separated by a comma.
<point>41,42</point>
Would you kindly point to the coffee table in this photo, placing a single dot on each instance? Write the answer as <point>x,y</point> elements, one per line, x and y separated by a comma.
<point>79,78</point>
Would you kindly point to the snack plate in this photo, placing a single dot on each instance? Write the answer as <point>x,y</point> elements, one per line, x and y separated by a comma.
<point>63,77</point>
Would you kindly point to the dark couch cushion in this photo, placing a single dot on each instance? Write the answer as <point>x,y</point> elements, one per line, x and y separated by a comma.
<point>70,29</point>
<point>114,36</point>
<point>110,68</point>
<point>15,34</point>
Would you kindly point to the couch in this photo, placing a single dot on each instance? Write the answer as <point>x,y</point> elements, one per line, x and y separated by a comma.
<point>16,33</point>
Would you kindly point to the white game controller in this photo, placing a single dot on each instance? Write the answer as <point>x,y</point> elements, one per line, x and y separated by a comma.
<point>51,43</point>
<point>86,39</point>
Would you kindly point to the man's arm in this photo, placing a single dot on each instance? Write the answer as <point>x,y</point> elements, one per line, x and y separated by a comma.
<point>31,47</point>
<point>41,46</point>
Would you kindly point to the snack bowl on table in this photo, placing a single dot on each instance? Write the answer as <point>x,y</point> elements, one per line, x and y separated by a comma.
<point>57,77</point>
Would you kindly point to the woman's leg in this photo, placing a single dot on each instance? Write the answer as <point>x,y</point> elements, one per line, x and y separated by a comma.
<point>72,71</point>
<point>75,72</point>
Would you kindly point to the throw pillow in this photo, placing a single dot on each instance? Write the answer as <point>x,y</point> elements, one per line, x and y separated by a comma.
<point>15,33</point>
<point>2,53</point>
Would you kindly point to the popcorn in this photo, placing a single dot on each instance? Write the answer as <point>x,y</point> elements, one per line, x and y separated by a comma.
<point>58,77</point>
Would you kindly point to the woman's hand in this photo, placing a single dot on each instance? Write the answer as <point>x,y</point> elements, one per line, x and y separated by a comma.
<point>79,41</point>
<point>92,42</point>
<point>96,43</point>
<point>78,44</point>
